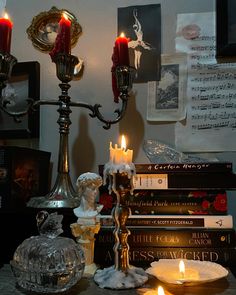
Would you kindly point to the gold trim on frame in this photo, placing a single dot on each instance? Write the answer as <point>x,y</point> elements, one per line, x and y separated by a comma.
<point>44,28</point>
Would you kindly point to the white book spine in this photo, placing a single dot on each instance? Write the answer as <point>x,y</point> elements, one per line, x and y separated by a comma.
<point>204,221</point>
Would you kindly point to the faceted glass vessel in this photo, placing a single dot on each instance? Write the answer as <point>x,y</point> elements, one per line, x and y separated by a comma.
<point>48,263</point>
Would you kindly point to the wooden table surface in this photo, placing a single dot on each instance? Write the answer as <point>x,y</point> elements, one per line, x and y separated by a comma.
<point>226,286</point>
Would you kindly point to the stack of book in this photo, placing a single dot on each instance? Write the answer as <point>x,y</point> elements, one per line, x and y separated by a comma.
<point>178,211</point>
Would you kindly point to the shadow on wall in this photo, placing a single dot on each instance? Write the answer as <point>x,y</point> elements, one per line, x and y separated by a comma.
<point>83,151</point>
<point>132,126</point>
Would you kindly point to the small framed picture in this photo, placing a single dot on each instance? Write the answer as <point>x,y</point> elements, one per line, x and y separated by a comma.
<point>44,28</point>
<point>225,30</point>
<point>24,85</point>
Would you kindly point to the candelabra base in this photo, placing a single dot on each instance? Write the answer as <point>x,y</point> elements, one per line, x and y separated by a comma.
<point>45,202</point>
<point>62,195</point>
<point>112,278</point>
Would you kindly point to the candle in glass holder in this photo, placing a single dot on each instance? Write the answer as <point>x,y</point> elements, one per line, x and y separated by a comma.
<point>5,34</point>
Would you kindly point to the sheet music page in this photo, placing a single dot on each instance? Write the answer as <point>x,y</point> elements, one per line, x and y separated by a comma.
<point>211,89</point>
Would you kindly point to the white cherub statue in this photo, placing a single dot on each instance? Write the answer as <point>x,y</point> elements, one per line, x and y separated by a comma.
<point>88,184</point>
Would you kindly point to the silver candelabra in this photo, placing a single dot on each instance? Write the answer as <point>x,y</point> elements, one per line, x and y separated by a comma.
<point>63,194</point>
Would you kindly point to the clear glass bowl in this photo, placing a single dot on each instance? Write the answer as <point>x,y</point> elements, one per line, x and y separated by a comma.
<point>47,263</point>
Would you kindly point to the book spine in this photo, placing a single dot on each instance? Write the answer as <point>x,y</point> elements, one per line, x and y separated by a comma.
<point>195,181</point>
<point>186,221</point>
<point>222,167</point>
<point>143,256</point>
<point>159,202</point>
<point>185,167</point>
<point>145,236</point>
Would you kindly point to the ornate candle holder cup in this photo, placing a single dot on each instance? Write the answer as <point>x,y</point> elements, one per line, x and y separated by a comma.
<point>124,78</point>
<point>65,64</point>
<point>121,275</point>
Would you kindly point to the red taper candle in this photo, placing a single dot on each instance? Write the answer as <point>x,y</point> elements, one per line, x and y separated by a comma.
<point>5,34</point>
<point>63,39</point>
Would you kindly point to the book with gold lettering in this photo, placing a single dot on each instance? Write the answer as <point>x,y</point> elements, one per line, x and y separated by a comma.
<point>143,256</point>
<point>174,221</point>
<point>219,167</point>
<point>197,176</point>
<point>170,237</point>
<point>193,202</point>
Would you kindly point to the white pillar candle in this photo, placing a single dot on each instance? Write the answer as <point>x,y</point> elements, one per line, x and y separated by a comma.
<point>119,156</point>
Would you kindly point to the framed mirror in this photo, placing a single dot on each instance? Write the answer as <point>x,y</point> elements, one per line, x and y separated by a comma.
<point>44,28</point>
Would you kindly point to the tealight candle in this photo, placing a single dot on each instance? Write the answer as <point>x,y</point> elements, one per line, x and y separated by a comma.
<point>158,291</point>
<point>182,268</point>
<point>184,273</point>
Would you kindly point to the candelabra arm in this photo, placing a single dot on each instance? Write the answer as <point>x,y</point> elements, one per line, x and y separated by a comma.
<point>14,114</point>
<point>37,103</point>
<point>120,114</point>
<point>95,112</point>
<point>82,105</point>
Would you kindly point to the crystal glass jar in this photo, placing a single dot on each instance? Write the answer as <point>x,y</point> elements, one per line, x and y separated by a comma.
<point>48,263</point>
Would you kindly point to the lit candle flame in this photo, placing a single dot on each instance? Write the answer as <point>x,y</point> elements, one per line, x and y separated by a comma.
<point>160,291</point>
<point>122,35</point>
<point>65,16</point>
<point>6,16</point>
<point>123,143</point>
<point>182,268</point>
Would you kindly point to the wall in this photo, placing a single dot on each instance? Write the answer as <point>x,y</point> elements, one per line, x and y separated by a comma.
<point>89,142</point>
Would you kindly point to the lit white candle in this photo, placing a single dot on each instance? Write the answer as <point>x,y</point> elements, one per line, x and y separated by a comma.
<point>186,273</point>
<point>160,291</point>
<point>119,156</point>
<point>182,269</point>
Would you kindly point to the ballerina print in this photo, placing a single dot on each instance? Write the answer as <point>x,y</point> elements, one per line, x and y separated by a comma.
<point>142,26</point>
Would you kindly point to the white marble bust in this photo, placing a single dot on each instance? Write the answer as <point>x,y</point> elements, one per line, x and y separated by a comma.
<point>87,186</point>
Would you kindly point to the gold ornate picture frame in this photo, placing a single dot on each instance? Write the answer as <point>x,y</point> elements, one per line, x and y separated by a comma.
<point>44,28</point>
